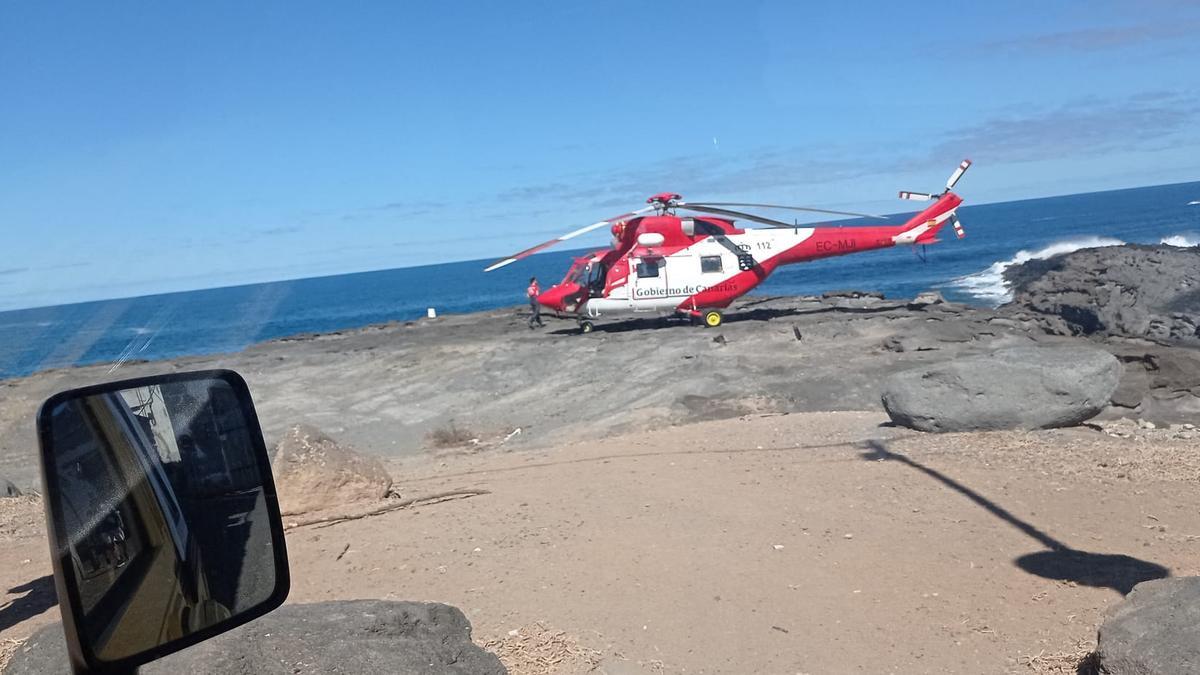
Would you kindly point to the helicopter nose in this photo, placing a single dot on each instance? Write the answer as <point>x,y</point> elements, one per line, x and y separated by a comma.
<point>552,298</point>
<point>560,297</point>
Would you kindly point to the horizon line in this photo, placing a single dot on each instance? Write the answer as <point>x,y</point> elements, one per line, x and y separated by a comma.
<point>467,260</point>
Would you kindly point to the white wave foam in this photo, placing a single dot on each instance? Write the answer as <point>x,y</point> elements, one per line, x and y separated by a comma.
<point>1182,240</point>
<point>989,284</point>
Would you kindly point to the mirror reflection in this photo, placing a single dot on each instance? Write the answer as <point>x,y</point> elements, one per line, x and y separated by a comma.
<point>161,510</point>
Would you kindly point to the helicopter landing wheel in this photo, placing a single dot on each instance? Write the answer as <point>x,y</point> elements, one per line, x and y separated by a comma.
<point>586,326</point>
<point>712,318</point>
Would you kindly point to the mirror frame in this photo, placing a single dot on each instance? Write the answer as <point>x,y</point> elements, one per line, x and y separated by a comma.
<point>83,659</point>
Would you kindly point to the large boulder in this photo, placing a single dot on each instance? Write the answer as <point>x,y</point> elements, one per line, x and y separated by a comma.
<point>1155,629</point>
<point>314,473</point>
<point>1029,387</point>
<point>357,636</point>
<point>1131,290</point>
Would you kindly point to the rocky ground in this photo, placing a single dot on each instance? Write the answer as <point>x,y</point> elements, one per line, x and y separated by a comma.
<point>398,390</point>
<point>718,500</point>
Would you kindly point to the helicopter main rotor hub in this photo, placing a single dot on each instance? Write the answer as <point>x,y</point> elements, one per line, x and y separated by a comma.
<point>664,201</point>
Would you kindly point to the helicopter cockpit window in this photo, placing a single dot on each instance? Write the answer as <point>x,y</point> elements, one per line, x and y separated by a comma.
<point>710,263</point>
<point>578,273</point>
<point>648,268</point>
<point>596,276</point>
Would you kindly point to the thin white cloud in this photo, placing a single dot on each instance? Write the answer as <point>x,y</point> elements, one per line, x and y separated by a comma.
<point>1099,39</point>
<point>1083,128</point>
<point>1086,127</point>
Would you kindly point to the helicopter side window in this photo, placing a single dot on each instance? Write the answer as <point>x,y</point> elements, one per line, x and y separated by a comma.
<point>710,264</point>
<point>648,268</point>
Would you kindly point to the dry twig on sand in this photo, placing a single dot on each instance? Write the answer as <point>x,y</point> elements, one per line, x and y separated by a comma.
<point>537,649</point>
<point>8,647</point>
<point>1082,660</point>
<point>329,521</point>
<point>450,436</point>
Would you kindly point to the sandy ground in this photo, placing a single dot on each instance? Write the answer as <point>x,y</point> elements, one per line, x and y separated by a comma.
<point>782,543</point>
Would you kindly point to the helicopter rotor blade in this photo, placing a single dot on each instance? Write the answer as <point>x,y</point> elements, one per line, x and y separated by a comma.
<point>790,208</point>
<point>570,235</point>
<point>958,173</point>
<point>735,214</point>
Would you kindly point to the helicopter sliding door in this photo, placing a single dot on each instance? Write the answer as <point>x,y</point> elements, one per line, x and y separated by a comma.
<point>655,290</point>
<point>649,283</point>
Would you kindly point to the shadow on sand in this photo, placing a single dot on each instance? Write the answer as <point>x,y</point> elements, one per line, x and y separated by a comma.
<point>1060,562</point>
<point>39,597</point>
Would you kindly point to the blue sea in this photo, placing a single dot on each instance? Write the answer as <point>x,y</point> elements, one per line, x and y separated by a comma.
<point>228,319</point>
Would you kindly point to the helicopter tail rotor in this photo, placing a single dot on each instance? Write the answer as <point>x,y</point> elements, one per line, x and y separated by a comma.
<point>958,173</point>
<point>958,228</point>
<point>950,183</point>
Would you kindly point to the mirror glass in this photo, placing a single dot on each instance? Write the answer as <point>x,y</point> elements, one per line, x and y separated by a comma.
<point>160,512</point>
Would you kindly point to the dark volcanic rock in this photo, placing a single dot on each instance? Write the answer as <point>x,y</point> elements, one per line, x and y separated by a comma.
<point>1014,388</point>
<point>357,636</point>
<point>1160,384</point>
<point>853,294</point>
<point>1155,629</point>
<point>1132,290</point>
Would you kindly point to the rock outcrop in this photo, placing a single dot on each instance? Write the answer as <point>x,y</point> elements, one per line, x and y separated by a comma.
<point>1029,387</point>
<point>313,473</point>
<point>1154,630</point>
<point>926,299</point>
<point>357,636</point>
<point>1150,292</point>
<point>1160,384</point>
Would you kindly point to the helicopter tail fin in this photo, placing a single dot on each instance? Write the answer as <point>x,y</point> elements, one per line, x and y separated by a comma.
<point>923,228</point>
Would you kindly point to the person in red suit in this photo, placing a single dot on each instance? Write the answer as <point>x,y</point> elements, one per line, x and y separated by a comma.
<point>533,292</point>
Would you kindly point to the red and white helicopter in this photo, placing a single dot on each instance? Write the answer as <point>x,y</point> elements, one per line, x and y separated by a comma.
<point>696,265</point>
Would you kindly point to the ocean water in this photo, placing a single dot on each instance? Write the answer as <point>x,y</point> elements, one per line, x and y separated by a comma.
<point>228,319</point>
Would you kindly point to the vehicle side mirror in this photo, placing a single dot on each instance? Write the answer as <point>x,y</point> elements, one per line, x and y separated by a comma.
<point>162,515</point>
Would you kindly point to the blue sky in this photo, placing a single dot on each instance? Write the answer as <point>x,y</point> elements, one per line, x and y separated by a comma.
<point>155,146</point>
